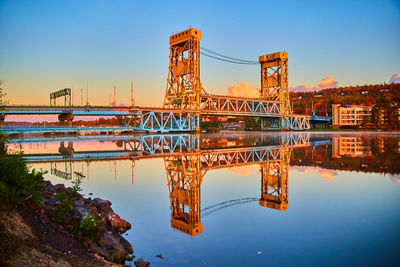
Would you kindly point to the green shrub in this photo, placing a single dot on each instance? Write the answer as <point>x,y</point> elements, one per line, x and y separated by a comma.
<point>65,203</point>
<point>76,186</point>
<point>88,226</point>
<point>17,181</point>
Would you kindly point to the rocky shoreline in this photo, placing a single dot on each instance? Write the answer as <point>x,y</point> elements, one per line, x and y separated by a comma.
<point>66,229</point>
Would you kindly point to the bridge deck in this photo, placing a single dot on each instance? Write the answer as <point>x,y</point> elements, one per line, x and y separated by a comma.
<point>162,119</point>
<point>210,105</point>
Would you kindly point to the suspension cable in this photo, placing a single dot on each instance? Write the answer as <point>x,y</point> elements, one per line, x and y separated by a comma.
<point>218,56</point>
<point>225,60</point>
<point>227,57</point>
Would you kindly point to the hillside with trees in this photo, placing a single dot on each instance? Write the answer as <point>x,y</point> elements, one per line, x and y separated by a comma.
<point>350,95</point>
<point>384,97</point>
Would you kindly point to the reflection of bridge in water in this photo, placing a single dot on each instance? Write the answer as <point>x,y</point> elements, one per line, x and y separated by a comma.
<point>185,174</point>
<point>187,159</point>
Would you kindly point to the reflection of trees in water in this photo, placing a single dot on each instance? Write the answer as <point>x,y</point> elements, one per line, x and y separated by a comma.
<point>383,156</point>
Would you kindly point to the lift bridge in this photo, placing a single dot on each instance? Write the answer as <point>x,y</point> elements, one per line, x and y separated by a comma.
<point>186,163</point>
<point>185,98</point>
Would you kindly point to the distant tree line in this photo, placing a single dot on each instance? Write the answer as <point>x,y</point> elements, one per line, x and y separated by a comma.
<point>384,97</point>
<point>383,158</point>
<point>321,101</point>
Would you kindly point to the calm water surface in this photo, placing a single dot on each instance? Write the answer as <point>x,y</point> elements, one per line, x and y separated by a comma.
<point>242,199</point>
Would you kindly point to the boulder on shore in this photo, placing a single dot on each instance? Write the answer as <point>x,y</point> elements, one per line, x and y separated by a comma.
<point>103,239</point>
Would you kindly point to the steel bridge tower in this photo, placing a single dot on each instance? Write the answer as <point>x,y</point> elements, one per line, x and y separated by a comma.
<point>275,87</point>
<point>274,79</point>
<point>183,84</point>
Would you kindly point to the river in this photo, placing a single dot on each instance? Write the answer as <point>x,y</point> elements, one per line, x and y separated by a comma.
<point>241,198</point>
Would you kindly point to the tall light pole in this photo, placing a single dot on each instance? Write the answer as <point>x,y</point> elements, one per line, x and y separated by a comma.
<point>87,93</point>
<point>132,101</point>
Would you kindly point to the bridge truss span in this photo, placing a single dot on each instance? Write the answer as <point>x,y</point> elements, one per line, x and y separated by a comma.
<point>239,106</point>
<point>166,121</point>
<point>296,122</point>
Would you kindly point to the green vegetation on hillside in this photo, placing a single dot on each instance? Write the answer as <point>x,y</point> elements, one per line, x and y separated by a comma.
<point>350,95</point>
<point>384,97</point>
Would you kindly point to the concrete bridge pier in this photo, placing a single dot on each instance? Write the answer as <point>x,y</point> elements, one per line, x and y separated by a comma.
<point>66,150</point>
<point>66,117</point>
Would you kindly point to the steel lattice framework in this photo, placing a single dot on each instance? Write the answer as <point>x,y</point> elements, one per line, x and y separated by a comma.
<point>238,106</point>
<point>183,83</point>
<point>274,79</point>
<point>184,90</point>
<point>66,93</point>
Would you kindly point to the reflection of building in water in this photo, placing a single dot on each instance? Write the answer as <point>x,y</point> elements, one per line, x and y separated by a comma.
<point>349,116</point>
<point>349,146</point>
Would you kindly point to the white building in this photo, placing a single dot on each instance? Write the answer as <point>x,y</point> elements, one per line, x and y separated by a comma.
<point>349,116</point>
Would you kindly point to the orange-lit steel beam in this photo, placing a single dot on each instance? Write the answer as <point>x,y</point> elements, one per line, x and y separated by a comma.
<point>183,83</point>
<point>275,80</point>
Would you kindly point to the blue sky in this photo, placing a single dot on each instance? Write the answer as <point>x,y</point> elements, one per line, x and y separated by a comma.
<point>49,45</point>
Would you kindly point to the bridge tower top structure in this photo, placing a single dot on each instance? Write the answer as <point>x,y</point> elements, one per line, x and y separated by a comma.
<point>183,84</point>
<point>275,79</point>
<point>66,93</point>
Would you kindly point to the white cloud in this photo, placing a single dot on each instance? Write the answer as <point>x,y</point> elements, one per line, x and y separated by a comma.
<point>245,170</point>
<point>394,178</point>
<point>327,82</point>
<point>243,89</point>
<point>394,79</point>
<point>324,173</point>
